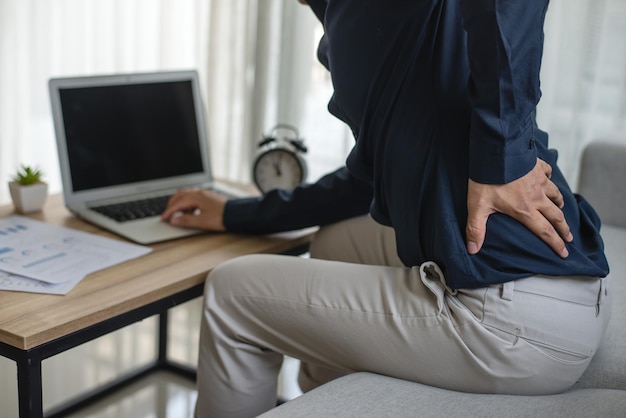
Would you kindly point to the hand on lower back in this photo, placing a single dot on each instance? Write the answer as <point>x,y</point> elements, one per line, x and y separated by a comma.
<point>534,200</point>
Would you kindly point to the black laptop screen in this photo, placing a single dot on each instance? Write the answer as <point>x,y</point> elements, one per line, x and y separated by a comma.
<point>130,133</point>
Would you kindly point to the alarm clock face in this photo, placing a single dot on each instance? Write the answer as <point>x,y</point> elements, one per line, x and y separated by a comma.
<point>278,169</point>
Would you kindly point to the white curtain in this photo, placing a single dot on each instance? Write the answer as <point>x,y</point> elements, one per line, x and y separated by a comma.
<point>257,63</point>
<point>243,50</point>
<point>583,77</point>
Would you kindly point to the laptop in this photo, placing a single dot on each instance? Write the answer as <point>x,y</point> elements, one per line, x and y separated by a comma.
<point>126,143</point>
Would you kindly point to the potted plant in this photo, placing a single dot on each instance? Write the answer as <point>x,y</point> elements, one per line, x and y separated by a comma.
<point>27,189</point>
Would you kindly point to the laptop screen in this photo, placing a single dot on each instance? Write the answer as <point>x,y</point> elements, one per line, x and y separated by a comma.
<point>122,134</point>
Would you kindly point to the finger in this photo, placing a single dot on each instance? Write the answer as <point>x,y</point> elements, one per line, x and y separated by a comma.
<point>475,229</point>
<point>554,194</point>
<point>539,225</point>
<point>547,168</point>
<point>556,218</point>
<point>172,207</point>
<point>187,220</point>
<point>182,204</point>
<point>179,195</point>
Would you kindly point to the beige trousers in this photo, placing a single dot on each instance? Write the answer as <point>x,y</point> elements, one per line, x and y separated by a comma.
<point>356,308</point>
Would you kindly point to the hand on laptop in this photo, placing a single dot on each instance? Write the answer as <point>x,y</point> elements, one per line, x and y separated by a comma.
<point>195,208</point>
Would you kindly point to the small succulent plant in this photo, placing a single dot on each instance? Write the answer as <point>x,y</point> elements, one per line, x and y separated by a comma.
<point>27,175</point>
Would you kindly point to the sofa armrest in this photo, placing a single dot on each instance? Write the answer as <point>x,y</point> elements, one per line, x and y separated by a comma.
<point>601,180</point>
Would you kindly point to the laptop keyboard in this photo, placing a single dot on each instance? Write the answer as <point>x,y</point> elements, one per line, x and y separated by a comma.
<point>132,210</point>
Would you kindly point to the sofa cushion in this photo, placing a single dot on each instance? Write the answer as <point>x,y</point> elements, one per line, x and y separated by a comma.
<point>596,394</point>
<point>608,367</point>
<point>369,395</point>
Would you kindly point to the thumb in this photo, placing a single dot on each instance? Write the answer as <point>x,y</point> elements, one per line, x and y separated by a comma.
<point>475,229</point>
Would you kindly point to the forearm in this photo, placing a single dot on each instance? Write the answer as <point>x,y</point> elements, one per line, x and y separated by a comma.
<point>334,197</point>
<point>505,45</point>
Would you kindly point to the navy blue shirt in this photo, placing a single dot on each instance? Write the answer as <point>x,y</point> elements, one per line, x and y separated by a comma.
<point>435,92</point>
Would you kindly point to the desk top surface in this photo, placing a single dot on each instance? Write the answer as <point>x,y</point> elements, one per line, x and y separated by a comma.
<point>28,319</point>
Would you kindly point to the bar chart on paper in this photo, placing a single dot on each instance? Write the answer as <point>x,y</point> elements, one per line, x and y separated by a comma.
<point>42,258</point>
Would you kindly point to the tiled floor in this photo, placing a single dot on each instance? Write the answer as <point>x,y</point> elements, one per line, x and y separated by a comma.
<point>162,395</point>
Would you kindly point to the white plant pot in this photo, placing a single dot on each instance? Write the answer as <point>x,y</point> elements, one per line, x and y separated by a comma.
<point>29,198</point>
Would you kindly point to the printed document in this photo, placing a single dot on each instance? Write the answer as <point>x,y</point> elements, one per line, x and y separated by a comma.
<point>43,258</point>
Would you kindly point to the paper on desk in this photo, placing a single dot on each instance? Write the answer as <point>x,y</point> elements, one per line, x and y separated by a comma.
<point>17,283</point>
<point>54,254</point>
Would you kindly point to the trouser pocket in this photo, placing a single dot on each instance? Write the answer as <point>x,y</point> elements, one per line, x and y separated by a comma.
<point>565,317</point>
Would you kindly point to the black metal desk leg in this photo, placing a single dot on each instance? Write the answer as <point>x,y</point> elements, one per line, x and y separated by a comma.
<point>163,362</point>
<point>29,387</point>
<point>162,338</point>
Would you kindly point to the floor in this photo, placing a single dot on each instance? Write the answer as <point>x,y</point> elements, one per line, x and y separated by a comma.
<point>160,395</point>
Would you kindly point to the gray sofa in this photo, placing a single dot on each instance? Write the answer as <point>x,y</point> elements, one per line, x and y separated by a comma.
<point>601,391</point>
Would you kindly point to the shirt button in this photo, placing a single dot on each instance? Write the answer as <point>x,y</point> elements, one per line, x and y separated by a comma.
<point>531,144</point>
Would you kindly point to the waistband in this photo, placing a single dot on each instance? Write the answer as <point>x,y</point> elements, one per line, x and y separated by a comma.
<point>577,289</point>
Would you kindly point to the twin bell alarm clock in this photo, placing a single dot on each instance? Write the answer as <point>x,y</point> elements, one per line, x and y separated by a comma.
<point>279,163</point>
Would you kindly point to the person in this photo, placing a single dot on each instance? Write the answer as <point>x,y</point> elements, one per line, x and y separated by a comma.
<point>452,251</point>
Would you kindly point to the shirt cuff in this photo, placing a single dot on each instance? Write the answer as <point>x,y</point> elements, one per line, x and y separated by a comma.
<point>240,214</point>
<point>498,161</point>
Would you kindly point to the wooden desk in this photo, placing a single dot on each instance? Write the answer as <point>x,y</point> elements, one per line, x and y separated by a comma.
<point>34,327</point>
